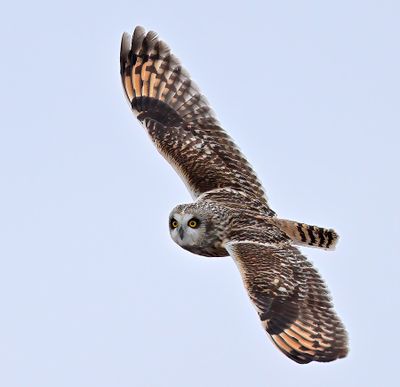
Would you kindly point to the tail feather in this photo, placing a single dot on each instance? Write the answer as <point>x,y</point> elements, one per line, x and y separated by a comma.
<point>305,234</point>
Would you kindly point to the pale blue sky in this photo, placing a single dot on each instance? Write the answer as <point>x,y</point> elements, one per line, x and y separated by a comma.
<point>93,292</point>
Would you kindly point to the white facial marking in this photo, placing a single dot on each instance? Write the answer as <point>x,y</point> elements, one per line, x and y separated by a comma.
<point>184,235</point>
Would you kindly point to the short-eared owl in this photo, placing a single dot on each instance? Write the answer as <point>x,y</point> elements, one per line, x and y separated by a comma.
<point>230,214</point>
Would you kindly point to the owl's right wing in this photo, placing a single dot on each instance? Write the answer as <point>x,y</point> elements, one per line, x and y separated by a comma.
<point>179,119</point>
<point>291,299</point>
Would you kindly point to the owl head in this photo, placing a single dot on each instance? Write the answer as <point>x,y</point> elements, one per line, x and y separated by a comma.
<point>197,228</point>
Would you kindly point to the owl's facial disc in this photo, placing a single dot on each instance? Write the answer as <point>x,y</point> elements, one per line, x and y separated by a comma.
<point>185,229</point>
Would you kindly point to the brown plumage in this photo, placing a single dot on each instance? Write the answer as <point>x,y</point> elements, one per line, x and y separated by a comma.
<point>292,301</point>
<point>304,234</point>
<point>230,214</point>
<point>179,119</point>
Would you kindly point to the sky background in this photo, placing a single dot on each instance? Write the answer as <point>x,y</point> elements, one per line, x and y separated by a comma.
<point>93,292</point>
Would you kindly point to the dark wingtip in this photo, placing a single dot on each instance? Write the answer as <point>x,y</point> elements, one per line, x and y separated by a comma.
<point>137,39</point>
<point>125,46</point>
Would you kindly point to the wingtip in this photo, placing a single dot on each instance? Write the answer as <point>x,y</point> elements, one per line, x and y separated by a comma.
<point>125,45</point>
<point>138,36</point>
<point>139,31</point>
<point>298,346</point>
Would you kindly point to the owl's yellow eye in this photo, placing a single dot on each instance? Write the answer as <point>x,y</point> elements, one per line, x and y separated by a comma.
<point>174,223</point>
<point>193,223</point>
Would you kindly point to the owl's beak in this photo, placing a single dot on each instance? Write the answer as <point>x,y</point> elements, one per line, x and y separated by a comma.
<point>181,232</point>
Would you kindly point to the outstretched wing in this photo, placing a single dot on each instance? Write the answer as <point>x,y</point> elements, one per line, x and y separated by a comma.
<point>291,299</point>
<point>180,120</point>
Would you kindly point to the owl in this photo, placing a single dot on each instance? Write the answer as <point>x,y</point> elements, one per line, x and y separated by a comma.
<point>230,215</point>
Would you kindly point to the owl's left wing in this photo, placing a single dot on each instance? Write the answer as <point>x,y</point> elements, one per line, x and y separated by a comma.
<point>179,119</point>
<point>291,299</point>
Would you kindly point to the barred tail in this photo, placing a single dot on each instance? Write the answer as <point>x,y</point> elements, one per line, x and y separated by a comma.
<point>304,234</point>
